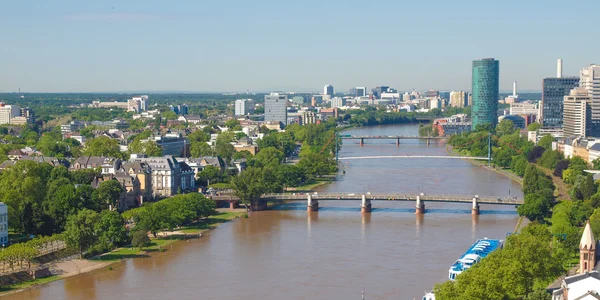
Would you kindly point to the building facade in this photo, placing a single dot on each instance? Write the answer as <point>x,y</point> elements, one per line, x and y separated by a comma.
<point>8,113</point>
<point>328,90</point>
<point>554,91</point>
<point>576,111</point>
<point>589,79</point>
<point>486,80</point>
<point>337,102</point>
<point>459,98</point>
<point>276,108</point>
<point>244,107</point>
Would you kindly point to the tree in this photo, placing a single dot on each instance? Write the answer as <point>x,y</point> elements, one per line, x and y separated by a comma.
<point>250,185</point>
<point>505,127</point>
<point>111,230</point>
<point>200,149</point>
<point>210,173</point>
<point>223,146</point>
<point>535,153</point>
<point>269,156</point>
<point>290,175</point>
<point>84,176</point>
<point>518,165</point>
<point>535,208</point>
<point>589,188</point>
<point>562,165</point>
<point>80,230</point>
<point>549,159</point>
<point>150,148</point>
<point>502,157</point>
<point>595,222</point>
<point>198,136</point>
<point>60,172</point>
<point>139,238</point>
<point>102,146</point>
<point>315,164</point>
<point>169,115</point>
<point>535,126</point>
<point>109,192</point>
<point>60,203</point>
<point>546,142</point>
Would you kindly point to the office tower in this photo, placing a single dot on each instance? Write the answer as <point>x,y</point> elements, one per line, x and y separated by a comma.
<point>486,73</point>
<point>276,108</point>
<point>183,109</point>
<point>377,91</point>
<point>576,113</point>
<point>337,102</point>
<point>590,80</point>
<point>244,107</point>
<point>554,90</point>
<point>144,102</point>
<point>328,90</point>
<point>361,91</point>
<point>459,99</point>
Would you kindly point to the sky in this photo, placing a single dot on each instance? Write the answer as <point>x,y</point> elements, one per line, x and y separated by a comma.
<point>265,45</point>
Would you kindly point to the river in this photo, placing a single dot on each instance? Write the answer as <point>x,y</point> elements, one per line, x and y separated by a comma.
<point>335,253</point>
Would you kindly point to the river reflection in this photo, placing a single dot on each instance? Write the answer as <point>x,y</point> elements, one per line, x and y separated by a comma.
<point>334,253</point>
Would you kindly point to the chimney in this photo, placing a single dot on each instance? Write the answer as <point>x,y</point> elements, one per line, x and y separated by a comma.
<point>514,89</point>
<point>559,68</point>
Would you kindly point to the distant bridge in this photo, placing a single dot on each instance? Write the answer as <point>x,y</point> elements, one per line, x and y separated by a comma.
<point>415,156</point>
<point>419,199</point>
<point>362,138</point>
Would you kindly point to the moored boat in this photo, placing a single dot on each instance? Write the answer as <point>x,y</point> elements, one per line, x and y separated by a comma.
<point>478,251</point>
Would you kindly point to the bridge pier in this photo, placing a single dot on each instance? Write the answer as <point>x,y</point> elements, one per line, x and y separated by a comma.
<point>428,141</point>
<point>313,205</point>
<point>420,207</point>
<point>233,204</point>
<point>362,141</point>
<point>365,206</point>
<point>475,206</point>
<point>398,142</point>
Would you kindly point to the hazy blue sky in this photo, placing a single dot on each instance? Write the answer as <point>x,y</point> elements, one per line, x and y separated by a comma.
<point>230,45</point>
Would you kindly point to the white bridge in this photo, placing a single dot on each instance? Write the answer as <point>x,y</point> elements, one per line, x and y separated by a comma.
<point>415,156</point>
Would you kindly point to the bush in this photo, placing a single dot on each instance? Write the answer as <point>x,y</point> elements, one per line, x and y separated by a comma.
<point>139,238</point>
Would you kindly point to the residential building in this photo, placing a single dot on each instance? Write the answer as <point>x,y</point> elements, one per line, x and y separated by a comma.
<point>308,117</point>
<point>107,164</point>
<point>328,90</point>
<point>276,108</point>
<point>459,98</point>
<point>316,100</point>
<point>455,124</point>
<point>168,176</point>
<point>143,174</point>
<point>554,90</point>
<point>198,164</point>
<point>435,103</point>
<point>8,113</point>
<point>338,102</point>
<point>3,224</point>
<point>585,285</point>
<point>98,104</point>
<point>359,91</point>
<point>327,113</point>
<point>245,106</point>
<point>576,114</point>
<point>190,119</point>
<point>486,74</point>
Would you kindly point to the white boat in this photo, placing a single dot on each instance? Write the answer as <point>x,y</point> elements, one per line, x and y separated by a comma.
<point>429,296</point>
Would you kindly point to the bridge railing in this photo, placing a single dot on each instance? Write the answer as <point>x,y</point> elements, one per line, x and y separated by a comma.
<point>409,197</point>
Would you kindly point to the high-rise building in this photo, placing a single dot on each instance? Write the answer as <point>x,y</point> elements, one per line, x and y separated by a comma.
<point>486,80</point>
<point>276,108</point>
<point>459,98</point>
<point>328,90</point>
<point>576,113</point>
<point>554,90</point>
<point>244,107</point>
<point>377,91</point>
<point>361,91</point>
<point>590,80</point>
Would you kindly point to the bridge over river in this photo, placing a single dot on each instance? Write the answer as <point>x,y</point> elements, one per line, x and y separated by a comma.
<point>362,138</point>
<point>419,199</point>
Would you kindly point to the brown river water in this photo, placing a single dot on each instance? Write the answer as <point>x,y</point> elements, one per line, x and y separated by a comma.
<point>335,253</point>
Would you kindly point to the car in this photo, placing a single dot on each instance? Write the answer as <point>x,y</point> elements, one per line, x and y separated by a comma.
<point>351,194</point>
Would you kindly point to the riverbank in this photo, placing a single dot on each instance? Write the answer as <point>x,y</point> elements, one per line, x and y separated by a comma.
<point>64,269</point>
<point>484,165</point>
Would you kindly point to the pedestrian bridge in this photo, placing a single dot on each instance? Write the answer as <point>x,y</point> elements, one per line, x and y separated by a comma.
<point>419,199</point>
<point>362,138</point>
<point>414,156</point>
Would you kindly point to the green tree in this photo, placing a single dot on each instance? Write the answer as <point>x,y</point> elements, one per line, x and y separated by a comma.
<point>505,127</point>
<point>595,222</point>
<point>102,146</point>
<point>139,238</point>
<point>546,142</point>
<point>535,208</point>
<point>269,156</point>
<point>109,192</point>
<point>210,174</point>
<point>80,230</point>
<point>535,126</point>
<point>223,146</point>
<point>84,176</point>
<point>111,230</point>
<point>60,203</point>
<point>589,187</point>
<point>290,175</point>
<point>252,183</point>
<point>201,149</point>
<point>198,136</point>
<point>315,164</point>
<point>168,115</point>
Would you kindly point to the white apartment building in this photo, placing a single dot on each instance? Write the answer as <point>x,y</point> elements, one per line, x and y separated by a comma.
<point>576,111</point>
<point>8,112</point>
<point>590,80</point>
<point>337,102</point>
<point>244,107</point>
<point>3,224</point>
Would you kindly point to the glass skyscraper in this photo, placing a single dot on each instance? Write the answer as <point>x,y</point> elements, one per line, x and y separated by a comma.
<point>554,91</point>
<point>486,80</point>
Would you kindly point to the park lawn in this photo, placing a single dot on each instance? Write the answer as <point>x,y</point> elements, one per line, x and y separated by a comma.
<point>211,222</point>
<point>27,284</point>
<point>129,252</point>
<point>310,186</point>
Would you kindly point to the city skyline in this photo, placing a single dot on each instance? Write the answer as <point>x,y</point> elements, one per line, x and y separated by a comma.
<point>141,46</point>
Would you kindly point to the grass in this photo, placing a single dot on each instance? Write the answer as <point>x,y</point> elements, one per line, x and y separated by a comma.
<point>159,243</point>
<point>311,185</point>
<point>28,284</point>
